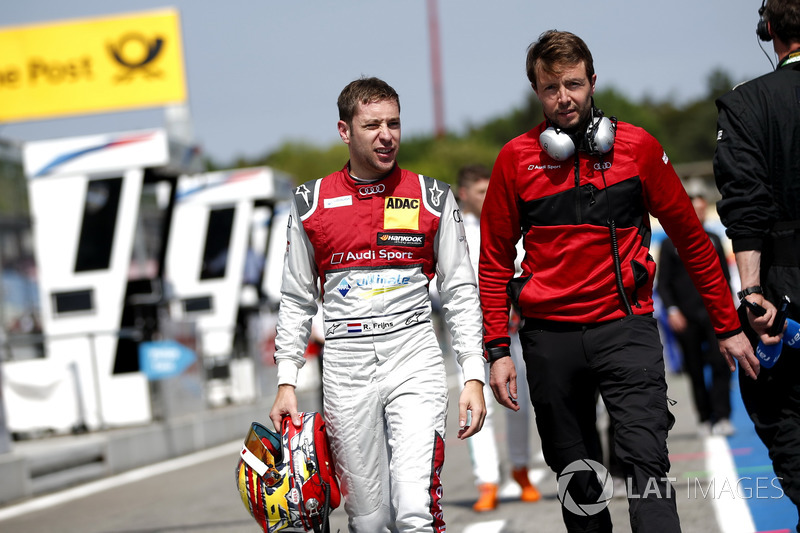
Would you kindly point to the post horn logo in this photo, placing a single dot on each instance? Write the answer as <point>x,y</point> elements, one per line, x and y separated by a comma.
<point>135,53</point>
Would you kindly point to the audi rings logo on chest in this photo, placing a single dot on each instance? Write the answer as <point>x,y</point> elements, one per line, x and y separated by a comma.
<point>369,190</point>
<point>605,165</point>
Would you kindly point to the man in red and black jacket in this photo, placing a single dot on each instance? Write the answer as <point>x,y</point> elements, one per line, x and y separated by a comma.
<point>579,189</point>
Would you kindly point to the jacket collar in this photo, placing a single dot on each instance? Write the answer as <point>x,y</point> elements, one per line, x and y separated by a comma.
<point>365,189</point>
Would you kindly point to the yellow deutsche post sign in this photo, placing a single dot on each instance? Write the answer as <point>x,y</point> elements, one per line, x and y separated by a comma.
<point>115,63</point>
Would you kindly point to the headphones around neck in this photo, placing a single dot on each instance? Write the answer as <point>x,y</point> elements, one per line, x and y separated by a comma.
<point>599,137</point>
<point>761,29</point>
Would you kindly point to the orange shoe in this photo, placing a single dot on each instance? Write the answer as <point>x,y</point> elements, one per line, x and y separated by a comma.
<point>529,492</point>
<point>487,500</point>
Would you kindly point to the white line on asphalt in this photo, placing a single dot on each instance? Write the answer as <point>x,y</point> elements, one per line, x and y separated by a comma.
<point>493,526</point>
<point>733,514</point>
<point>130,476</point>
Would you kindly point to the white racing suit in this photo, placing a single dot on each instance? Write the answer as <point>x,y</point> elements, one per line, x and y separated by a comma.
<point>375,247</point>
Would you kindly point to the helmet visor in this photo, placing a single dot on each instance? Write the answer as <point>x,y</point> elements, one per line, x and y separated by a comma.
<point>262,448</point>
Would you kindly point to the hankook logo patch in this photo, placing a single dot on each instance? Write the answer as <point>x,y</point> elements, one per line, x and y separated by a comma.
<point>416,240</point>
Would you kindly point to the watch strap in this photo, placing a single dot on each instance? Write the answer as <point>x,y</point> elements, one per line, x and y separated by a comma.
<point>755,289</point>
<point>497,352</point>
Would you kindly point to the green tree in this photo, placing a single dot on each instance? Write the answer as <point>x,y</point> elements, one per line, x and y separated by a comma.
<point>687,132</point>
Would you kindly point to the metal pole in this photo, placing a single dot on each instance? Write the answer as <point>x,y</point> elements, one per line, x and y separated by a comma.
<point>436,67</point>
<point>96,375</point>
<point>5,439</point>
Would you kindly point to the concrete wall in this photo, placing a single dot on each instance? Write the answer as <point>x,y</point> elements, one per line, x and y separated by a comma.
<point>44,465</point>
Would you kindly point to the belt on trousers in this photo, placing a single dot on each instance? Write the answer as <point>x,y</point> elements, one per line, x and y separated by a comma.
<point>564,327</point>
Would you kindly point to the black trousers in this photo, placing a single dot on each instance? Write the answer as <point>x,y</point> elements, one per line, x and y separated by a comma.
<point>773,401</point>
<point>623,359</point>
<point>700,347</point>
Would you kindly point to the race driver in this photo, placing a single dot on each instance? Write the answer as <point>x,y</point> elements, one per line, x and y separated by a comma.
<point>373,236</point>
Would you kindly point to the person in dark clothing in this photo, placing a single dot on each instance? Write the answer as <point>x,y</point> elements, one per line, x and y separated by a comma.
<point>688,319</point>
<point>757,170</point>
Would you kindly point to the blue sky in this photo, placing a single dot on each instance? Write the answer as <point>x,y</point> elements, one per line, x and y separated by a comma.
<point>264,72</point>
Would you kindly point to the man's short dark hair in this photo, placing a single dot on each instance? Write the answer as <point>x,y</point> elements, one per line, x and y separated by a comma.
<point>469,174</point>
<point>784,18</point>
<point>363,90</point>
<point>554,49</point>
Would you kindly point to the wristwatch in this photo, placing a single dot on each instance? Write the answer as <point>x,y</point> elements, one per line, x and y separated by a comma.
<point>755,289</point>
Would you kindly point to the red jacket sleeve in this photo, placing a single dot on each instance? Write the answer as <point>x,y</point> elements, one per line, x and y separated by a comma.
<point>500,231</point>
<point>667,201</point>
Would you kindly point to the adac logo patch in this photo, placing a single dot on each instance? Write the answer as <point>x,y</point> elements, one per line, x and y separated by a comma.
<point>401,213</point>
<point>402,203</point>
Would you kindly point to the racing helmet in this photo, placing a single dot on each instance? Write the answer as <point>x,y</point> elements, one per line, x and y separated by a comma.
<point>286,481</point>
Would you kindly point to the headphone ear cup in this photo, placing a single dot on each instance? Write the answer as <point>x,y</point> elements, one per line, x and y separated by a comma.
<point>762,30</point>
<point>557,144</point>
<point>601,134</point>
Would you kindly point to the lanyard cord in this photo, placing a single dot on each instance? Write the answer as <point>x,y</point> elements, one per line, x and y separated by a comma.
<point>612,227</point>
